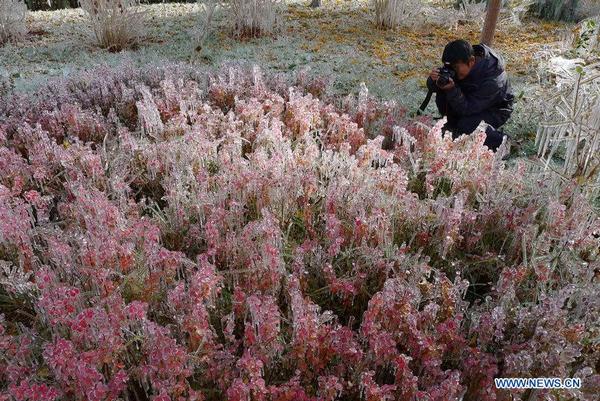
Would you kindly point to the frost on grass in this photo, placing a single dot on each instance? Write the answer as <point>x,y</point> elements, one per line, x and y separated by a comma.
<point>174,233</point>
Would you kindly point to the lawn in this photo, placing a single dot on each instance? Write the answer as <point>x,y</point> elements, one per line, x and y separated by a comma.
<point>338,40</point>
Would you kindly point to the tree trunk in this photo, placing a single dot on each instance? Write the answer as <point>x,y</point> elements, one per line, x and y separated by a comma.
<point>491,18</point>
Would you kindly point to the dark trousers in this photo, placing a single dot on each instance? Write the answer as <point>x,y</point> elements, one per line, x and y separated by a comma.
<point>466,125</point>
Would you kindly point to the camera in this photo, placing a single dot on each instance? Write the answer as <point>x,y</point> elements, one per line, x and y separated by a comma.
<point>444,75</point>
<point>446,72</point>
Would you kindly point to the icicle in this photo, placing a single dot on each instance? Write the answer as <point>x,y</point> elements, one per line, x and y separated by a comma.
<point>363,96</point>
<point>148,115</point>
<point>257,77</point>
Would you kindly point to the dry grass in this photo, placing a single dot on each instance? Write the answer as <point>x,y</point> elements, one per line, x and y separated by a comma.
<point>116,23</point>
<point>254,18</point>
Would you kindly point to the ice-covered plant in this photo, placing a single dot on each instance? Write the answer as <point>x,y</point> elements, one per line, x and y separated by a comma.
<point>516,10</point>
<point>252,18</point>
<point>587,9</point>
<point>394,13</point>
<point>567,10</point>
<point>177,233</point>
<point>569,128</point>
<point>472,10</point>
<point>587,41</point>
<point>12,20</point>
<point>116,24</point>
<point>204,28</point>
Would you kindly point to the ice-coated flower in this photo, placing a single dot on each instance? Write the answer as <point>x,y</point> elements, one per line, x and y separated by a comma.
<point>170,228</point>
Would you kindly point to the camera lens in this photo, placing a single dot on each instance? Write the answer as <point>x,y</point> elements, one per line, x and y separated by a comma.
<point>445,74</point>
<point>443,80</point>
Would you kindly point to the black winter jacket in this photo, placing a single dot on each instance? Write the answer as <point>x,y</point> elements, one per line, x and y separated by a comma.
<point>485,89</point>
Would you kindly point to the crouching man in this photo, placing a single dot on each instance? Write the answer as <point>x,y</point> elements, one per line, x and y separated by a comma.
<point>476,89</point>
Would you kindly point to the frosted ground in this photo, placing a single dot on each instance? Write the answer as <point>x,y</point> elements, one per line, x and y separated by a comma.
<point>337,40</point>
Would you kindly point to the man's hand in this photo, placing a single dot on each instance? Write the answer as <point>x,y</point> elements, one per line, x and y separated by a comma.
<point>435,74</point>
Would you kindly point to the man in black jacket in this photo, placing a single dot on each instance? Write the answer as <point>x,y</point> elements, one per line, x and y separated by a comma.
<point>479,92</point>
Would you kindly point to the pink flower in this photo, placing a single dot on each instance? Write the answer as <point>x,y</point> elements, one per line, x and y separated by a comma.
<point>136,310</point>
